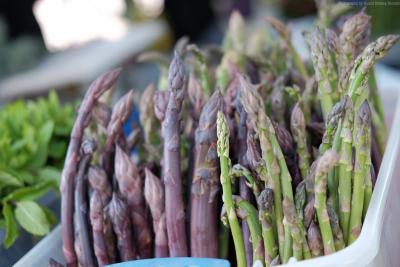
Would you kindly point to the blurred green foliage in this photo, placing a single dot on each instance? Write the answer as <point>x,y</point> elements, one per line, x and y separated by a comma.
<point>34,137</point>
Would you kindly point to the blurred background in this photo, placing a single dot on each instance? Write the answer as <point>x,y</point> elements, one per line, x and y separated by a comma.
<point>63,45</point>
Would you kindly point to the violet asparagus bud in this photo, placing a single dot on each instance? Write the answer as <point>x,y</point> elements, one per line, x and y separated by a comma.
<point>244,190</point>
<point>196,97</point>
<point>131,188</point>
<point>160,100</point>
<point>154,194</point>
<point>109,236</point>
<point>120,218</point>
<point>96,219</point>
<point>315,240</point>
<point>82,208</point>
<point>174,208</point>
<point>96,89</point>
<point>205,185</point>
<point>102,114</point>
<point>99,181</point>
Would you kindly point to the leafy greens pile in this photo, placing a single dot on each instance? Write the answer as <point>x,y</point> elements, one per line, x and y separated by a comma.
<point>33,142</point>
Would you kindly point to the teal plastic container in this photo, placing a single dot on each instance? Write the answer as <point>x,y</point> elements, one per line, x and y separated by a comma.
<point>174,262</point>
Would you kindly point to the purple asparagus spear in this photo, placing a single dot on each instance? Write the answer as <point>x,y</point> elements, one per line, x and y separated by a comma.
<point>96,89</point>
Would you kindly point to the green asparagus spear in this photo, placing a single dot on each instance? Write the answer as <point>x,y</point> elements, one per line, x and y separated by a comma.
<point>336,231</point>
<point>223,154</point>
<point>366,60</point>
<point>291,220</point>
<point>325,73</point>
<point>333,124</point>
<point>361,168</point>
<point>265,203</point>
<point>300,201</point>
<point>246,211</point>
<point>253,105</point>
<point>345,169</point>
<point>326,162</point>
<point>298,128</point>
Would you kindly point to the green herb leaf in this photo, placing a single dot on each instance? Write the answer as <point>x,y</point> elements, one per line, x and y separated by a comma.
<point>51,218</point>
<point>30,192</point>
<point>2,224</point>
<point>11,226</point>
<point>50,174</point>
<point>32,217</point>
<point>9,178</point>
<point>44,136</point>
<point>57,149</point>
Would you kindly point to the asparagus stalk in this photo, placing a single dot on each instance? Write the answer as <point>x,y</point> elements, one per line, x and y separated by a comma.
<point>248,212</point>
<point>96,219</point>
<point>244,190</point>
<point>325,73</point>
<point>120,218</point>
<point>333,123</point>
<point>291,220</point>
<point>110,238</point>
<point>131,188</point>
<point>81,206</point>
<point>174,208</point>
<point>205,185</point>
<point>96,89</point>
<point>367,193</point>
<point>240,171</point>
<point>223,154</point>
<point>160,100</point>
<point>298,128</point>
<point>265,202</point>
<point>253,105</point>
<point>309,212</point>
<point>277,100</point>
<point>315,240</point>
<point>326,162</point>
<point>361,169</point>
<point>300,200</point>
<point>121,112</point>
<point>345,169</point>
<point>334,116</point>
<point>352,40</point>
<point>102,115</point>
<point>366,60</point>
<point>285,178</point>
<point>154,194</point>
<point>336,230</point>
<point>99,182</point>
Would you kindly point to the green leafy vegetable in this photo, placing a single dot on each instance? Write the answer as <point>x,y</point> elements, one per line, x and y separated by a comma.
<point>34,138</point>
<point>32,217</point>
<point>11,226</point>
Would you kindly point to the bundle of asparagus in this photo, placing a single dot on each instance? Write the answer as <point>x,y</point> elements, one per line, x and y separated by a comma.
<point>291,152</point>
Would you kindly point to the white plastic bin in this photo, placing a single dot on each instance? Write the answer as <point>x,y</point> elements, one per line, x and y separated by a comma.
<point>378,244</point>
